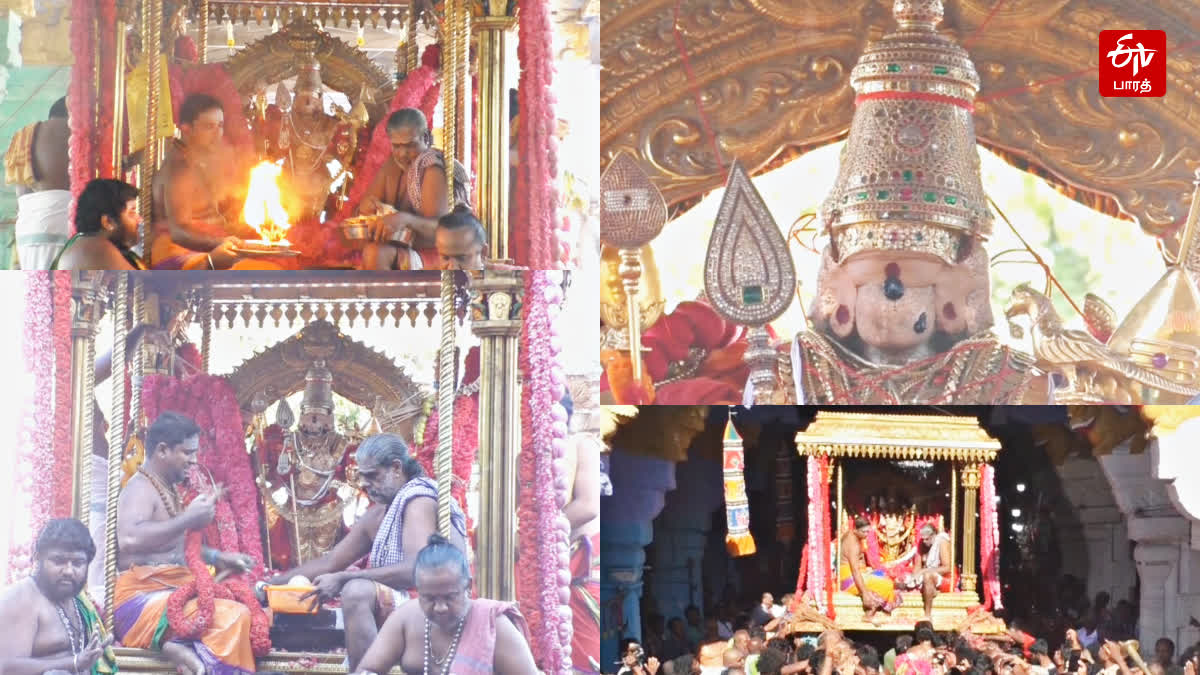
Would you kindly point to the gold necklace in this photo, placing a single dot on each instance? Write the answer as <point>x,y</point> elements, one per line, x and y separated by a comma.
<point>169,497</point>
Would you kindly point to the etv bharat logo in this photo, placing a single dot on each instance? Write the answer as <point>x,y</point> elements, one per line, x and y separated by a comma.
<point>1133,63</point>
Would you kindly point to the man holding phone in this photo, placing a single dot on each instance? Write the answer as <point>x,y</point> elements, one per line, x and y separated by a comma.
<point>51,625</point>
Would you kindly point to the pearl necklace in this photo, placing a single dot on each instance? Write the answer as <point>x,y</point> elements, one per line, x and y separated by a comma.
<point>448,659</point>
<point>76,647</point>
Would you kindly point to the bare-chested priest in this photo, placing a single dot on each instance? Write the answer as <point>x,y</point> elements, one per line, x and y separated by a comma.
<point>411,189</point>
<point>198,195</point>
<point>934,575</point>
<point>392,532</point>
<point>50,625</point>
<point>447,631</point>
<point>873,586</point>
<point>151,528</point>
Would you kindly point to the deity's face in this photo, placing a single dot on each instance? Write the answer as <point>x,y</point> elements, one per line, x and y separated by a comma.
<point>459,249</point>
<point>126,230</point>
<point>61,573</point>
<point>896,302</point>
<point>443,595</point>
<point>315,422</point>
<point>308,103</point>
<point>407,144</point>
<point>206,132</point>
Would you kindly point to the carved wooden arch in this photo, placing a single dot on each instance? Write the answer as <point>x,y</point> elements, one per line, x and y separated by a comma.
<point>773,76</point>
<point>360,373</point>
<point>343,67</point>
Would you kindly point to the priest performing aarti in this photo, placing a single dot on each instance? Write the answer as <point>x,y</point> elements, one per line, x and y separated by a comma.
<point>239,536</point>
<point>280,140</point>
<point>896,267</point>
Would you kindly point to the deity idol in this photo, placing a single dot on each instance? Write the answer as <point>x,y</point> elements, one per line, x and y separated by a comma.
<point>304,481</point>
<point>307,139</point>
<point>902,311</point>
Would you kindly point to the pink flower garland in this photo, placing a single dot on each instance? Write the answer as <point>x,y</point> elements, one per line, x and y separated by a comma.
<point>535,245</point>
<point>989,539</point>
<point>817,494</point>
<point>543,558</point>
<point>34,461</point>
<point>62,448</point>
<point>411,93</point>
<point>211,402</point>
<point>81,100</point>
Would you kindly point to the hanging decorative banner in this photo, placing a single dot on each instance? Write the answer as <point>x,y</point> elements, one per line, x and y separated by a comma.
<point>738,539</point>
<point>135,105</point>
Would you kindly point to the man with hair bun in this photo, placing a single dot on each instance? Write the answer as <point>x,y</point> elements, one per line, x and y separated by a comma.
<point>392,531</point>
<point>447,631</point>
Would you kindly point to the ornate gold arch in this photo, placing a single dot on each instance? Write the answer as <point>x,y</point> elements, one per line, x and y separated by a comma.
<point>343,67</point>
<point>773,76</point>
<point>361,374</point>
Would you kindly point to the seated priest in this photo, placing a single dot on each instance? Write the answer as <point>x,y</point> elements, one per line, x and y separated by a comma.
<point>462,243</point>
<point>410,193</point>
<point>874,587</point>
<point>392,531</point>
<point>151,527</point>
<point>934,574</point>
<point>198,197</point>
<point>106,229</point>
<point>458,634</point>
<point>51,626</point>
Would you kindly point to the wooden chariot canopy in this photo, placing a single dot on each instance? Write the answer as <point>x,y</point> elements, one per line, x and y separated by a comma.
<point>938,438</point>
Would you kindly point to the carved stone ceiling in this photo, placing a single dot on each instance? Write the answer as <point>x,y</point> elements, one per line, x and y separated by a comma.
<point>773,75</point>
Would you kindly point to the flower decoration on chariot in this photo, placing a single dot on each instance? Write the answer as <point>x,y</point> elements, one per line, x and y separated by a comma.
<point>318,389</point>
<point>909,174</point>
<point>308,80</point>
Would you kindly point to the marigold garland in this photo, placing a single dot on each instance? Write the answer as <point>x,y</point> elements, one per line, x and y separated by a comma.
<point>543,567</point>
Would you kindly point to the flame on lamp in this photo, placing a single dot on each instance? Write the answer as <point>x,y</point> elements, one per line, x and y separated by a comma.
<point>264,204</point>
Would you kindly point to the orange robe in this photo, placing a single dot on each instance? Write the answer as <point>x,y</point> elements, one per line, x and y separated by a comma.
<point>140,619</point>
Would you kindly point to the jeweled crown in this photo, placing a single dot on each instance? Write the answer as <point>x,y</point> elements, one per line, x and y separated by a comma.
<point>318,389</point>
<point>909,173</point>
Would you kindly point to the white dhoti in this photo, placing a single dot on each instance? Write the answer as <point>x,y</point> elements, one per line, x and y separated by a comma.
<point>42,228</point>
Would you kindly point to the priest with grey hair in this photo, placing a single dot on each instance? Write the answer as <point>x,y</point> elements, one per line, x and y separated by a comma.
<point>934,574</point>
<point>394,529</point>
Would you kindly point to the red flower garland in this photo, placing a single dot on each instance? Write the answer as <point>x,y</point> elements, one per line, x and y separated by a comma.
<point>535,243</point>
<point>466,446</point>
<point>205,589</point>
<point>81,100</point>
<point>211,403</point>
<point>989,539</point>
<point>212,79</point>
<point>543,569</point>
<point>411,93</point>
<point>62,448</point>
<point>107,13</point>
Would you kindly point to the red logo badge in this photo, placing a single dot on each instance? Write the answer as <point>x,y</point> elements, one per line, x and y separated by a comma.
<point>1133,63</point>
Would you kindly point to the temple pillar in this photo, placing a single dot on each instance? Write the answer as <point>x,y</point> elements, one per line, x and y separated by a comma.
<point>1168,564</point>
<point>1095,542</point>
<point>970,485</point>
<point>492,30</point>
<point>639,484</point>
<point>497,323</point>
<point>680,535</point>
<point>85,308</point>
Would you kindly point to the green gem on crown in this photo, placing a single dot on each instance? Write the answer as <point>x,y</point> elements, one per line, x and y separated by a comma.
<point>752,295</point>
